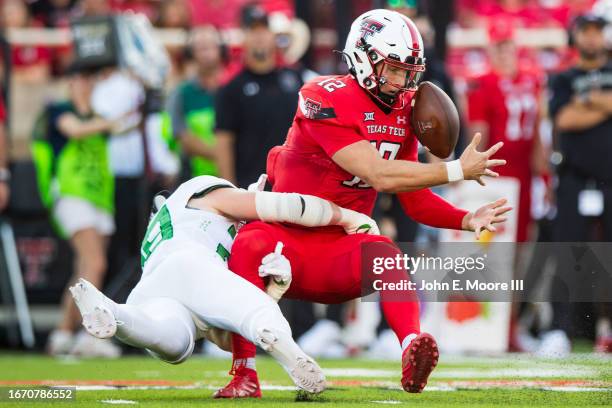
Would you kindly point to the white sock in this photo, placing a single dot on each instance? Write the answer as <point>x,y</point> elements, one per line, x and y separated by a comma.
<point>407,340</point>
<point>602,328</point>
<point>244,362</point>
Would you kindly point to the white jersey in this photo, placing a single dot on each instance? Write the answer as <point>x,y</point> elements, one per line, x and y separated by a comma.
<point>184,255</point>
<point>175,225</point>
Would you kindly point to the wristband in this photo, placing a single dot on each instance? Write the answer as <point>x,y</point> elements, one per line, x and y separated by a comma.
<point>454,170</point>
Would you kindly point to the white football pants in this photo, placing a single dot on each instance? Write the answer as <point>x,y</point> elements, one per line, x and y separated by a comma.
<point>190,284</point>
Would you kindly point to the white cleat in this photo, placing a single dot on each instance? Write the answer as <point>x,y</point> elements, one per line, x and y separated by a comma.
<point>98,318</point>
<point>303,370</point>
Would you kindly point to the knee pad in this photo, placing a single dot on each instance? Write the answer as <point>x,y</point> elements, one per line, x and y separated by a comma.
<point>181,352</point>
<point>181,329</point>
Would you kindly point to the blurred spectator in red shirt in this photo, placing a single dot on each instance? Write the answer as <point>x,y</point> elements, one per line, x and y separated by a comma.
<point>226,13</point>
<point>524,13</point>
<point>504,105</point>
<point>30,64</point>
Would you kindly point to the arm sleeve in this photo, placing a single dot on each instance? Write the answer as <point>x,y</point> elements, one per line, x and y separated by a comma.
<point>426,207</point>
<point>174,106</point>
<point>320,120</point>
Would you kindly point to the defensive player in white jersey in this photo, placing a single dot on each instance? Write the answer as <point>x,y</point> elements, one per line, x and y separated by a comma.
<point>187,291</point>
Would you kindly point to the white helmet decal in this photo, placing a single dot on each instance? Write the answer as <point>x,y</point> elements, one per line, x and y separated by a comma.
<point>369,26</point>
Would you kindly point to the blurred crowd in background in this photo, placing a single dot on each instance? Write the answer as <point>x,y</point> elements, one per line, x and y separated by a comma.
<point>534,74</point>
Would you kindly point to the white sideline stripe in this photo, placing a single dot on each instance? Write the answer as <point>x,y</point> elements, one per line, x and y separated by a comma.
<point>552,372</point>
<point>360,372</point>
<point>132,387</point>
<point>576,389</point>
<point>118,402</point>
<point>264,387</point>
<point>392,402</point>
<point>515,372</point>
<point>429,388</point>
<point>519,359</point>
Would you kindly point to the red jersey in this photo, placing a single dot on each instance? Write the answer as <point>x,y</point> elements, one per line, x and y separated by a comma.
<point>510,109</point>
<point>334,112</point>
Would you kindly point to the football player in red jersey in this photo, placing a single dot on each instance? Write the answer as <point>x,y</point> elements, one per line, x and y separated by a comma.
<point>504,105</point>
<point>351,138</point>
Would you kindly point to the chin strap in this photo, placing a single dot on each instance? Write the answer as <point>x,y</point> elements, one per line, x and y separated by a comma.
<point>386,98</point>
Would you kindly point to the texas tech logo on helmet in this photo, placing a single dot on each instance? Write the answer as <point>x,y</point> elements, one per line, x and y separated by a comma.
<point>369,27</point>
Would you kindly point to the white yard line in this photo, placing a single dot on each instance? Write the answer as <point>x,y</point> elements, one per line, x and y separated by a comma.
<point>452,373</point>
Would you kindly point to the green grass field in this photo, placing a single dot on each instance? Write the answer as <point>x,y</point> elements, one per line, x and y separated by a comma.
<point>514,380</point>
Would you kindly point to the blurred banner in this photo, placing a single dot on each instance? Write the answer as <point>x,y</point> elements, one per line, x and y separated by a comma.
<point>476,326</point>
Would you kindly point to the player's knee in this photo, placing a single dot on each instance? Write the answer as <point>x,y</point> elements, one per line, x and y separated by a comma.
<point>177,345</point>
<point>177,342</point>
<point>177,352</point>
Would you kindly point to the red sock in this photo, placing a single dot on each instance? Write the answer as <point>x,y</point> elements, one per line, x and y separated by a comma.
<point>242,348</point>
<point>250,247</point>
<point>400,308</point>
<point>402,317</point>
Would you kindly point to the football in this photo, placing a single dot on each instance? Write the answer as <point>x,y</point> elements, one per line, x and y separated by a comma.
<point>435,120</point>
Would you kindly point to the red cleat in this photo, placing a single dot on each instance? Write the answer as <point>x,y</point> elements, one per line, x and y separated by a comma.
<point>418,361</point>
<point>603,344</point>
<point>245,384</point>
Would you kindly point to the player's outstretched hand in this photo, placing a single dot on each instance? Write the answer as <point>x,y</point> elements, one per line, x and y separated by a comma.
<point>486,216</point>
<point>477,164</point>
<point>355,222</point>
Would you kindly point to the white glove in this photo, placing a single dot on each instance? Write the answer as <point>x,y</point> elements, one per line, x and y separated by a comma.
<point>259,185</point>
<point>355,222</point>
<point>277,266</point>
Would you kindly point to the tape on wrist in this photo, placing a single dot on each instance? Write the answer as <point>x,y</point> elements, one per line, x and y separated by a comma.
<point>454,170</point>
